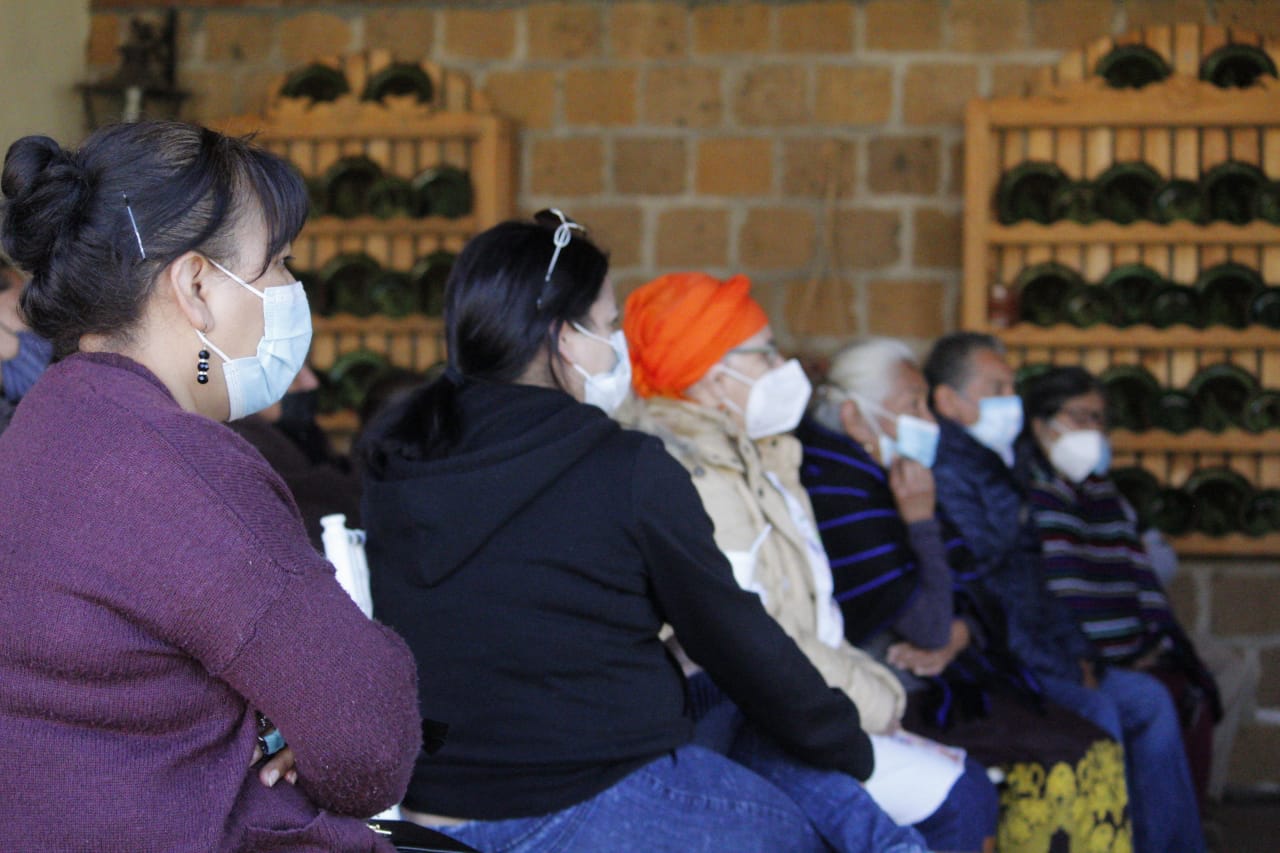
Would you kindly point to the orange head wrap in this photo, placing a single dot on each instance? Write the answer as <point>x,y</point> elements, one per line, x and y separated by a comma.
<point>680,324</point>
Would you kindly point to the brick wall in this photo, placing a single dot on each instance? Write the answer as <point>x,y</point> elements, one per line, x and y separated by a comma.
<point>732,137</point>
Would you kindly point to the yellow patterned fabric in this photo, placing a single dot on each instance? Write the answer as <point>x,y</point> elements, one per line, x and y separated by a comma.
<point>1080,809</point>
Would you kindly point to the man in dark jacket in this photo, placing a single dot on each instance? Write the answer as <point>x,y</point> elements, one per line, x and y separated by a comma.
<point>971,392</point>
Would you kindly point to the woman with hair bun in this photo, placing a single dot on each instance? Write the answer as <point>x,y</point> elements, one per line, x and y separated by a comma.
<point>162,604</point>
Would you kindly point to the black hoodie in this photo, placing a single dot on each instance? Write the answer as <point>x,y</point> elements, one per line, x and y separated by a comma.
<point>530,570</point>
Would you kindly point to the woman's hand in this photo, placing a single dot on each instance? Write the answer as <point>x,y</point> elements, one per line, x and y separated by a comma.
<point>913,489</point>
<point>927,662</point>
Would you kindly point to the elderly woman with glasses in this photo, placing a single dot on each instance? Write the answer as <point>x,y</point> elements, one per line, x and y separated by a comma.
<point>530,550</point>
<point>724,401</point>
<point>1094,559</point>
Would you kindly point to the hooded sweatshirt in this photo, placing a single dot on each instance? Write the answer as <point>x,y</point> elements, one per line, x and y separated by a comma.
<point>531,568</point>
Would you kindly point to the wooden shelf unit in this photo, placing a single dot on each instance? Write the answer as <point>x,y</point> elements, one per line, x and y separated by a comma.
<point>404,138</point>
<point>1181,127</point>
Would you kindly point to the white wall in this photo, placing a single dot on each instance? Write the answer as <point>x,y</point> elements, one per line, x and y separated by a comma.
<point>42,58</point>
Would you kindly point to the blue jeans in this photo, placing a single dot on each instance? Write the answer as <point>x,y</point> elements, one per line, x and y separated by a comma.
<point>836,804</point>
<point>691,800</point>
<point>1135,709</point>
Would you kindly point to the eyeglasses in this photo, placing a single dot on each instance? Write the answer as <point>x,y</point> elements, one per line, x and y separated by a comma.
<point>769,351</point>
<point>1094,418</point>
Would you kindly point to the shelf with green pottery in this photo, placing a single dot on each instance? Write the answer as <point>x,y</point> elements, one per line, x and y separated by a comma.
<point>1232,544</point>
<point>1231,440</point>
<point>1143,232</point>
<point>1139,337</point>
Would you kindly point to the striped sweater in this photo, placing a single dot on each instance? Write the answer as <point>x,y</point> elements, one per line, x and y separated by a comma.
<point>1094,562</point>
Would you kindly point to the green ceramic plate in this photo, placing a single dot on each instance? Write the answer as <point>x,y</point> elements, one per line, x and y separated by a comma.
<point>392,293</point>
<point>1266,203</point>
<point>1043,290</point>
<point>1126,190</point>
<point>1089,305</point>
<point>1077,201</point>
<point>429,276</point>
<point>1221,392</point>
<point>315,82</point>
<point>1265,308</point>
<point>1236,66</point>
<point>443,191</point>
<point>1175,412</point>
<point>1131,393</point>
<point>1230,189</point>
<point>346,279</point>
<point>1131,287</point>
<point>1140,488</point>
<point>1261,411</point>
<point>1173,305</point>
<point>1220,496</point>
<point>1178,199</point>
<point>399,78</point>
<point>1027,192</point>
<point>1261,514</point>
<point>390,197</point>
<point>352,374</point>
<point>1227,292</point>
<point>1132,66</point>
<point>1173,511</point>
<point>348,183</point>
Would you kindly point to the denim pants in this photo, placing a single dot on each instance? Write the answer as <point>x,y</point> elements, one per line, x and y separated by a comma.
<point>690,800</point>
<point>1135,709</point>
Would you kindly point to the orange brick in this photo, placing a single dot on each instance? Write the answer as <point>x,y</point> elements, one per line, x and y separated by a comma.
<point>617,229</point>
<point>937,241</point>
<point>907,308</point>
<point>731,29</point>
<point>694,238</point>
<point>408,33</point>
<point>955,180</point>
<point>479,33</point>
<point>1257,16</point>
<point>648,30</point>
<point>825,27</point>
<point>600,96</point>
<point>734,166</point>
<point>858,95</point>
<point>1146,13</point>
<point>104,38</point>
<point>903,24</point>
<point>809,164</point>
<point>564,31</point>
<point>987,26</point>
<point>1013,79</point>
<point>649,166</point>
<point>1070,26</point>
<point>567,167</point>
<point>904,164</point>
<point>683,96</point>
<point>776,238</point>
<point>825,308</point>
<point>528,97</point>
<point>236,36</point>
<point>772,95</point>
<point>936,94</point>
<point>312,34</point>
<point>866,239</point>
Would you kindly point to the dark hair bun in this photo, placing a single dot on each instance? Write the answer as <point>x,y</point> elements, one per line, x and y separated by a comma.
<point>45,191</point>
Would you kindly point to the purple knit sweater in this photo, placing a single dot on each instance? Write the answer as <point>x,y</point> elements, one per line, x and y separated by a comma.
<point>156,586</point>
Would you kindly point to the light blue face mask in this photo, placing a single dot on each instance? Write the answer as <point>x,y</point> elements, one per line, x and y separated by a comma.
<point>257,381</point>
<point>917,438</point>
<point>999,422</point>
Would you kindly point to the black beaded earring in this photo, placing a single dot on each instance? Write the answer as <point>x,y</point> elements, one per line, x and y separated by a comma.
<point>202,367</point>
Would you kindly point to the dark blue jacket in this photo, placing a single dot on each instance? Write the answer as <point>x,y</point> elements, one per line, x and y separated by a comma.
<point>978,492</point>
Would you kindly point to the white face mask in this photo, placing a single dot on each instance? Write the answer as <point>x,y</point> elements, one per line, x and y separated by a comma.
<point>777,400</point>
<point>1077,453</point>
<point>257,381</point>
<point>607,390</point>
<point>999,422</point>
